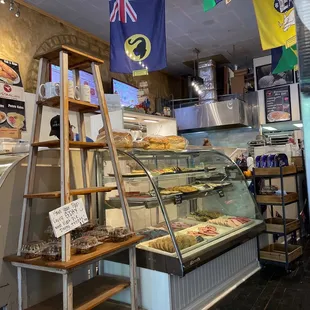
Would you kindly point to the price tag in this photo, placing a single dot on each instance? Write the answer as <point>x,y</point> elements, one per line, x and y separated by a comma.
<point>221,193</point>
<point>68,217</point>
<point>178,199</point>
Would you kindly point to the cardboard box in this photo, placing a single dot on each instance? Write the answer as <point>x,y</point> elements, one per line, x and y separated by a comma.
<point>10,133</point>
<point>237,85</point>
<point>298,161</point>
<point>241,72</point>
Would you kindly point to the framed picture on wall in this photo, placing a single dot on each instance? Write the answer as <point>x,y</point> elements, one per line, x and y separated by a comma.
<point>265,79</point>
<point>278,104</point>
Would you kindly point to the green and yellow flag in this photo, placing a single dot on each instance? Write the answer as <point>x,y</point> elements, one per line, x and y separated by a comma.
<point>284,59</point>
<point>276,23</point>
<point>210,4</point>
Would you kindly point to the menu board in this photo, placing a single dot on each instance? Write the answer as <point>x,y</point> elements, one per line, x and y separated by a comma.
<point>12,103</point>
<point>278,104</point>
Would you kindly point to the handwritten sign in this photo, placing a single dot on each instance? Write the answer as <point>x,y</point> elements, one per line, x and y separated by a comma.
<point>68,217</point>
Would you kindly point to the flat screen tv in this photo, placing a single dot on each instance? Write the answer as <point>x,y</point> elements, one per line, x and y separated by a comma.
<point>85,78</point>
<point>127,93</point>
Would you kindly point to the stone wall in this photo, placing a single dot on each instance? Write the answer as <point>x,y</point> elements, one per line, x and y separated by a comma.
<point>32,33</point>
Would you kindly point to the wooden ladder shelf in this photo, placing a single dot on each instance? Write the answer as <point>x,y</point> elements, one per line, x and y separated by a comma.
<point>98,287</point>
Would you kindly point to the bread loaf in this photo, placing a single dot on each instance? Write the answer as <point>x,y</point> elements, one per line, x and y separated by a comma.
<point>177,142</point>
<point>156,143</point>
<point>140,144</point>
<point>121,139</point>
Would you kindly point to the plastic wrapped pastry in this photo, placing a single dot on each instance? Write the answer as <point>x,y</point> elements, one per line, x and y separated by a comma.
<point>85,244</point>
<point>33,249</point>
<point>122,139</point>
<point>120,234</point>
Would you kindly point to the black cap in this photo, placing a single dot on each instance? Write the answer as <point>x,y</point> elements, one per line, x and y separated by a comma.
<point>55,126</point>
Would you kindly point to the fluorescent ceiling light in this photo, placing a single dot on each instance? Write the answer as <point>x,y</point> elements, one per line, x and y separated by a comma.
<point>150,121</point>
<point>130,118</point>
<point>270,128</point>
<point>298,125</point>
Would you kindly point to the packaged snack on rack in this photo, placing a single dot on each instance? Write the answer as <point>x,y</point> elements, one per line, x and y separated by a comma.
<point>50,234</point>
<point>33,249</point>
<point>85,244</point>
<point>120,234</point>
<point>52,252</point>
<point>269,190</point>
<point>122,139</point>
<point>99,234</point>
<point>76,234</point>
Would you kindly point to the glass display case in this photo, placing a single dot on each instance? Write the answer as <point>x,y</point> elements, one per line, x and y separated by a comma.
<point>191,206</point>
<point>7,159</point>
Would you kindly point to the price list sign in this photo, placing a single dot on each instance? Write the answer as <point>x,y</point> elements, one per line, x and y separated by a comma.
<point>278,104</point>
<point>68,217</point>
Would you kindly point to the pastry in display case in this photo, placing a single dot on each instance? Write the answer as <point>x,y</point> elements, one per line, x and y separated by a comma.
<point>191,205</point>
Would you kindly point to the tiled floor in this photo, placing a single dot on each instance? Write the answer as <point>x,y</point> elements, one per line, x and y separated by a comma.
<point>273,289</point>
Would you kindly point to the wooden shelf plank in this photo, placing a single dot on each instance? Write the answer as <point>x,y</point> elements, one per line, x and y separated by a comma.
<point>276,225</point>
<point>108,248</point>
<point>277,200</point>
<point>74,105</point>
<point>276,252</point>
<point>72,144</point>
<point>114,305</point>
<point>73,192</point>
<point>275,172</point>
<point>88,294</point>
<point>77,59</point>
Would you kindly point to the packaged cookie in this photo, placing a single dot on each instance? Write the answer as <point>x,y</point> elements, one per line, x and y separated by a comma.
<point>33,249</point>
<point>85,244</point>
<point>120,234</point>
<point>52,252</point>
<point>99,234</point>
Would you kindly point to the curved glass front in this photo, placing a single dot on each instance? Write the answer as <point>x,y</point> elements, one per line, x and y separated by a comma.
<point>185,203</point>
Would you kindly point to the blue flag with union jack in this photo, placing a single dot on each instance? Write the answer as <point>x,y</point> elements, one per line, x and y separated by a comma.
<point>137,35</point>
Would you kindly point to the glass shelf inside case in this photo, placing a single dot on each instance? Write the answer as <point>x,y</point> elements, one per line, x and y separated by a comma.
<point>191,206</point>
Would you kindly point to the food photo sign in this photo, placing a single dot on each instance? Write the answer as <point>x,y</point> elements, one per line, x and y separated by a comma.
<point>278,104</point>
<point>12,103</point>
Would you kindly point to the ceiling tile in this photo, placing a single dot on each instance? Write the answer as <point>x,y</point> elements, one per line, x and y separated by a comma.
<point>187,26</point>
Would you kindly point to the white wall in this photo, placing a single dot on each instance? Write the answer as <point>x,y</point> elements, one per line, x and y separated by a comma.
<point>261,100</point>
<point>92,122</point>
<point>48,113</point>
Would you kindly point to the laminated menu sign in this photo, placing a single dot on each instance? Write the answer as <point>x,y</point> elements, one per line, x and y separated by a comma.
<point>278,104</point>
<point>68,217</point>
<point>12,103</point>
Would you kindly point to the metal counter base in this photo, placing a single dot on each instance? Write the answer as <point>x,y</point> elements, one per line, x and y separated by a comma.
<point>196,289</point>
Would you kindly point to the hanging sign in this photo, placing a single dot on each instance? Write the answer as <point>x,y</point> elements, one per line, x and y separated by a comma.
<point>12,102</point>
<point>137,35</point>
<point>68,217</point>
